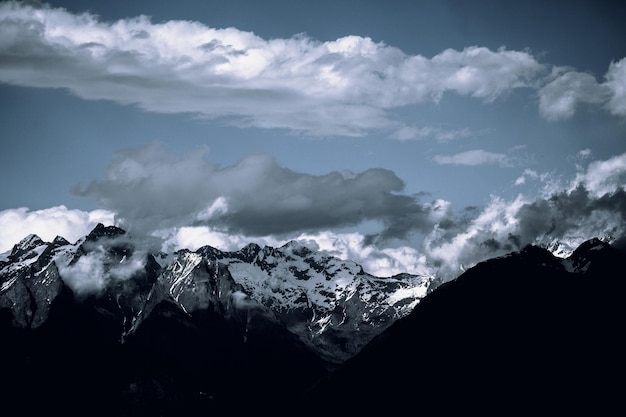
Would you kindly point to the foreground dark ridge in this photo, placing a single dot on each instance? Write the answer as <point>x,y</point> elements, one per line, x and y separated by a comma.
<point>523,334</point>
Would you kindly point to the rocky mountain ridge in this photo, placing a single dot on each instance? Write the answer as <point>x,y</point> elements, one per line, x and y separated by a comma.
<point>332,305</point>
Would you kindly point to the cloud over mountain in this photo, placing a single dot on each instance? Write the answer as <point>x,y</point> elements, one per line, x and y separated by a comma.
<point>189,202</point>
<point>593,204</point>
<point>48,223</point>
<point>151,188</point>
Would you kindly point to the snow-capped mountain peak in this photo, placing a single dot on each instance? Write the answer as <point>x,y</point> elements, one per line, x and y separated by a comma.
<point>331,304</point>
<point>319,297</point>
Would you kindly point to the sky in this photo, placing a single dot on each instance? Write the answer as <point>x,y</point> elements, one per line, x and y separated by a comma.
<point>409,136</point>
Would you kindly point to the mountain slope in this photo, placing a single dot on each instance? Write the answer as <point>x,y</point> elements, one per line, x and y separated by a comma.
<point>525,333</point>
<point>140,336</point>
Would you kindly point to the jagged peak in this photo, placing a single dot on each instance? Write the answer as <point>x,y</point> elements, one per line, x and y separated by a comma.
<point>31,240</point>
<point>296,247</point>
<point>208,250</point>
<point>60,241</point>
<point>27,244</point>
<point>251,247</point>
<point>104,231</point>
<point>587,252</point>
<point>590,245</point>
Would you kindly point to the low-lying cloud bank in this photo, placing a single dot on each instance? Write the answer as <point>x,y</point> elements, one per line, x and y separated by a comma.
<point>150,188</point>
<point>186,202</point>
<point>48,223</point>
<point>297,83</point>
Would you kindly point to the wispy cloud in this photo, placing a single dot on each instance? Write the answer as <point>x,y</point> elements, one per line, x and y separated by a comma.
<point>568,89</point>
<point>603,177</point>
<point>474,157</point>
<point>296,83</point>
<point>528,173</point>
<point>439,133</point>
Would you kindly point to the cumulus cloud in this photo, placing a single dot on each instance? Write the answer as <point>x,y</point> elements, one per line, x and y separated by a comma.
<point>474,157</point>
<point>48,223</point>
<point>189,202</point>
<point>593,205</point>
<point>143,185</point>
<point>150,188</point>
<point>559,98</point>
<point>296,83</point>
<point>616,83</point>
<point>568,89</point>
<point>602,177</point>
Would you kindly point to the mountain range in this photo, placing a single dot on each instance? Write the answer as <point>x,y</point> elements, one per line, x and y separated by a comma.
<point>189,327</point>
<point>103,326</point>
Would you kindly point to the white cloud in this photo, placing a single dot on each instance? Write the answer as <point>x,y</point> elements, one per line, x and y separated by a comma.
<point>93,271</point>
<point>602,177</point>
<point>441,134</point>
<point>592,205</point>
<point>352,246</point>
<point>560,98</point>
<point>86,276</point>
<point>296,83</point>
<point>616,82</point>
<point>528,173</point>
<point>195,237</point>
<point>48,223</point>
<point>217,208</point>
<point>485,236</point>
<point>474,157</point>
<point>585,153</point>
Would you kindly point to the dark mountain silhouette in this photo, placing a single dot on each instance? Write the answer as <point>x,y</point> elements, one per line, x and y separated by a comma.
<point>523,334</point>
